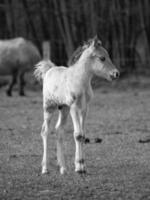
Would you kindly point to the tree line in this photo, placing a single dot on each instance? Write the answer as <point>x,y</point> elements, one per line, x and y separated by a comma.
<point>67,23</point>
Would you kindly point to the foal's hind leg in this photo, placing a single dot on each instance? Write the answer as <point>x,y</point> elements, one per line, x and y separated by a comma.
<point>44,133</point>
<point>62,119</point>
<point>13,82</point>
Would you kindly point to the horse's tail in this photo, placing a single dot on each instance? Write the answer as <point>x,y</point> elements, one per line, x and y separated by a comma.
<point>41,68</point>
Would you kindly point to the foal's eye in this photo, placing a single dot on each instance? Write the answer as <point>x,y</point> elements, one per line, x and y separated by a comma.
<point>102,58</point>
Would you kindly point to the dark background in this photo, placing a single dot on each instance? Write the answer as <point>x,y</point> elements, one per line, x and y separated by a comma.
<point>122,25</point>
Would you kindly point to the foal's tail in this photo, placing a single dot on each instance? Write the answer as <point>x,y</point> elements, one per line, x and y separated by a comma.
<point>41,68</point>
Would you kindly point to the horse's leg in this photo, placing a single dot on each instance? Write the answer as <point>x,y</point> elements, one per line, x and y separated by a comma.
<point>83,117</point>
<point>21,84</point>
<point>13,82</point>
<point>78,119</point>
<point>44,133</point>
<point>62,119</point>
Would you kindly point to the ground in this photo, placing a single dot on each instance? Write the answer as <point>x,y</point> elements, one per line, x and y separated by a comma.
<point>118,168</point>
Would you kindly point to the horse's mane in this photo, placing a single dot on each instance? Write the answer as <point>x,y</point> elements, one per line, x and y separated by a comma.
<point>78,52</point>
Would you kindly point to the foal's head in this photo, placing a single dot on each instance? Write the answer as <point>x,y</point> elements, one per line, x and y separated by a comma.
<point>101,62</point>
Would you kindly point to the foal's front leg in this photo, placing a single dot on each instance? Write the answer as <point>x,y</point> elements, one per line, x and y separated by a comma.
<point>78,120</point>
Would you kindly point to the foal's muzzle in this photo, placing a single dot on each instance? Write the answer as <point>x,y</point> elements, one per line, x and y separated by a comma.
<point>114,74</point>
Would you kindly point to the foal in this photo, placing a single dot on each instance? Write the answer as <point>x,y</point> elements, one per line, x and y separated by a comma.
<point>69,90</point>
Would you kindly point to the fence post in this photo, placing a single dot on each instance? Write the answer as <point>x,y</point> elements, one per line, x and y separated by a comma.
<point>46,50</point>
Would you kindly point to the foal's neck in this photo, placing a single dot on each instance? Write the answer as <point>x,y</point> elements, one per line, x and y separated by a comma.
<point>82,71</point>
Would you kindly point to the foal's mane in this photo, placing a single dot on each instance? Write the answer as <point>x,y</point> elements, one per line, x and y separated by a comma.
<point>78,52</point>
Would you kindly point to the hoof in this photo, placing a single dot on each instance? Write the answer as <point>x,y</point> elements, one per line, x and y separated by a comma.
<point>63,170</point>
<point>22,94</point>
<point>8,93</point>
<point>80,169</point>
<point>44,171</point>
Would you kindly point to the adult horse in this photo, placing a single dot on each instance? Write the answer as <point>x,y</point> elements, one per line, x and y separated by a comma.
<point>69,90</point>
<point>17,56</point>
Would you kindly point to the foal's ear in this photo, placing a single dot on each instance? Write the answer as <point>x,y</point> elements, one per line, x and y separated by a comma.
<point>95,38</point>
<point>96,42</point>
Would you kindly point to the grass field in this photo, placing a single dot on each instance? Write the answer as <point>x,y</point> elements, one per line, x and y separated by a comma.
<point>118,168</point>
